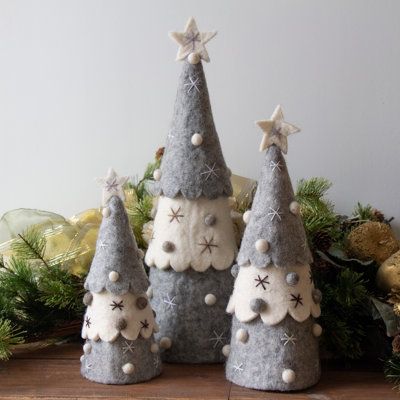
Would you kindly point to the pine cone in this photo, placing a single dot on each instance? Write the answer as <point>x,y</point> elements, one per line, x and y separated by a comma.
<point>378,215</point>
<point>322,241</point>
<point>396,344</point>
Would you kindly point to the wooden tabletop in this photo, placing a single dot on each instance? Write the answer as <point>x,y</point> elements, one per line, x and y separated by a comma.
<point>53,373</point>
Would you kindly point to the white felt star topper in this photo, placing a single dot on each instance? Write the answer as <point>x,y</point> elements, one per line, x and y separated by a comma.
<point>276,131</point>
<point>112,186</point>
<point>191,41</point>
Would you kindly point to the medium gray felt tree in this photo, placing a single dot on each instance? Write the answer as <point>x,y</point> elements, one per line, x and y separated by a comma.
<point>119,321</point>
<point>193,244</point>
<point>274,343</point>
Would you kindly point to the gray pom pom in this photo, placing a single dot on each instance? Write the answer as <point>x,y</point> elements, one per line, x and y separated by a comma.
<point>210,219</point>
<point>292,278</point>
<point>317,296</point>
<point>258,305</point>
<point>87,299</point>
<point>121,324</point>
<point>141,303</point>
<point>235,270</point>
<point>168,247</point>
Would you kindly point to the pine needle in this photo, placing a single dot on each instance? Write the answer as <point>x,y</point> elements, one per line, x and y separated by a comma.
<point>392,370</point>
<point>10,335</point>
<point>31,245</point>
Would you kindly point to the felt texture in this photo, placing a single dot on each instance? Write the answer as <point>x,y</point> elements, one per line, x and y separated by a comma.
<point>270,285</point>
<point>271,219</point>
<point>118,318</point>
<point>260,361</point>
<point>104,362</point>
<point>116,250</point>
<point>193,171</point>
<point>192,41</point>
<point>198,331</point>
<point>189,226</point>
<point>107,309</point>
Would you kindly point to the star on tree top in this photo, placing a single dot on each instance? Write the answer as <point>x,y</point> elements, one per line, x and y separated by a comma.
<point>192,41</point>
<point>276,130</point>
<point>112,186</point>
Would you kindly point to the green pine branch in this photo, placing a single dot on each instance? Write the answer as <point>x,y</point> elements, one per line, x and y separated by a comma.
<point>30,245</point>
<point>10,335</point>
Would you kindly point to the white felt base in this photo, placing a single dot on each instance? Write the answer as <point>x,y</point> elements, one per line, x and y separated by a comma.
<point>277,294</point>
<point>103,319</point>
<point>189,231</point>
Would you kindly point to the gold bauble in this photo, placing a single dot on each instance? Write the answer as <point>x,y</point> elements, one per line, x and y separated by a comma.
<point>372,241</point>
<point>388,275</point>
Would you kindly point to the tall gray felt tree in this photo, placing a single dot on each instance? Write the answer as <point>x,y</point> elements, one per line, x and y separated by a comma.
<point>119,321</point>
<point>193,244</point>
<point>274,343</point>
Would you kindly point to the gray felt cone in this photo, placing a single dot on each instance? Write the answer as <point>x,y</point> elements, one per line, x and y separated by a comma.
<point>119,321</point>
<point>274,342</point>
<point>193,244</point>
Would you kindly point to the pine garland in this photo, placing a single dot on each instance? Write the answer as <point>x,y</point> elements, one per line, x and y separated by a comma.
<point>9,336</point>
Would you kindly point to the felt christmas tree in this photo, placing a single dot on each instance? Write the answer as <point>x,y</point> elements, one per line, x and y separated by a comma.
<point>119,321</point>
<point>193,244</point>
<point>274,343</point>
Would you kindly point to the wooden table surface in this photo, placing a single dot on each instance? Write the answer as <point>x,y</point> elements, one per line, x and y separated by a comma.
<point>53,373</point>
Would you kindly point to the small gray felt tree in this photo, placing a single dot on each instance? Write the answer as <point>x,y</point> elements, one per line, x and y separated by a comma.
<point>274,343</point>
<point>193,244</point>
<point>119,321</point>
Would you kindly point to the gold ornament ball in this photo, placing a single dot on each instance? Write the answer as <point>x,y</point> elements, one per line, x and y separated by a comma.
<point>372,241</point>
<point>388,275</point>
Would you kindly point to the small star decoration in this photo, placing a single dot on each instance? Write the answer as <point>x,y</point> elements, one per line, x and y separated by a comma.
<point>175,215</point>
<point>218,339</point>
<point>192,41</point>
<point>88,322</point>
<point>128,347</point>
<point>208,245</point>
<point>286,339</point>
<point>210,171</point>
<point>276,131</point>
<point>262,281</point>
<point>114,305</point>
<point>112,186</point>
<point>144,324</point>
<point>297,299</point>
<point>170,302</point>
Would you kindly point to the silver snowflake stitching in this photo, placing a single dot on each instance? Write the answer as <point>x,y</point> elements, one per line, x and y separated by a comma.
<point>210,171</point>
<point>169,301</point>
<point>217,339</point>
<point>193,84</point>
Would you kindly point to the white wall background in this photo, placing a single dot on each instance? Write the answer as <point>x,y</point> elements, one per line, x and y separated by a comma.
<point>85,85</point>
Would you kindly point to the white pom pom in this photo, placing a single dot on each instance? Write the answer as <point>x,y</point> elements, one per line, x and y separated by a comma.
<point>226,350</point>
<point>128,368</point>
<point>106,212</point>
<point>194,58</point>
<point>197,139</point>
<point>149,292</point>
<point>154,348</point>
<point>246,217</point>
<point>87,348</point>
<point>294,208</point>
<point>165,342</point>
<point>210,299</point>
<point>113,276</point>
<point>157,174</point>
<point>288,376</point>
<point>262,245</point>
<point>242,335</point>
<point>317,330</point>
